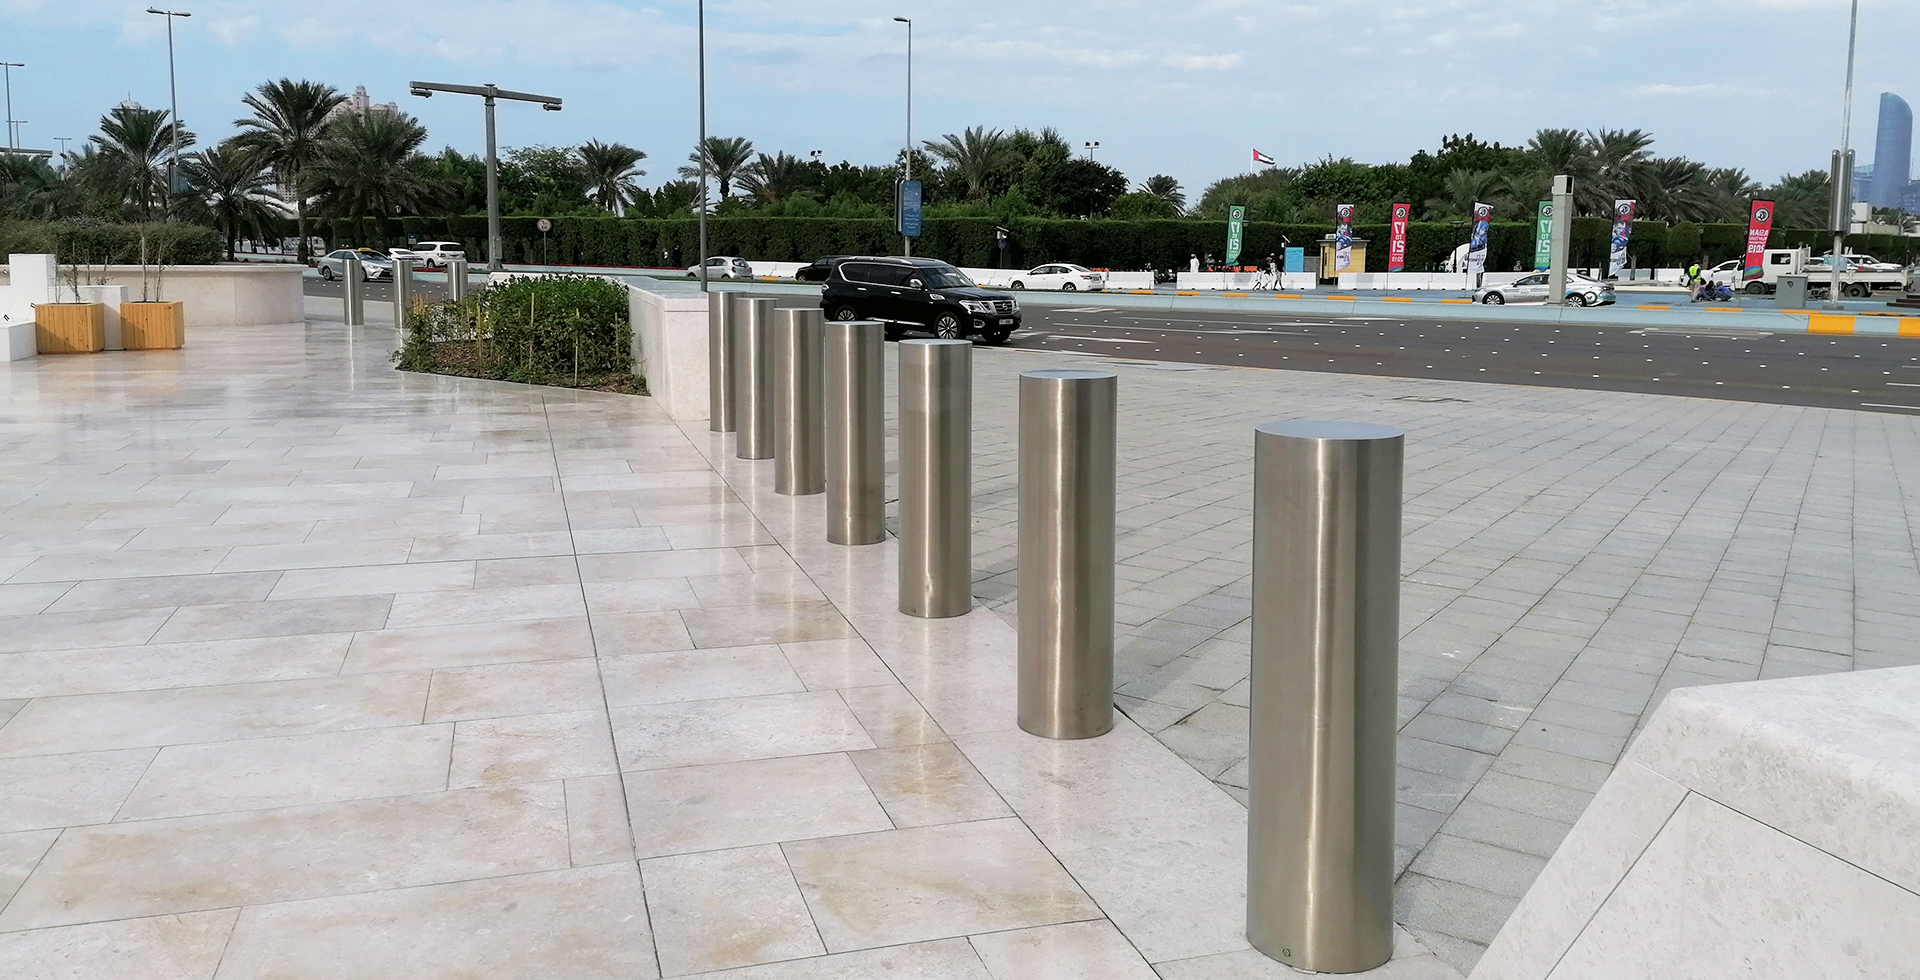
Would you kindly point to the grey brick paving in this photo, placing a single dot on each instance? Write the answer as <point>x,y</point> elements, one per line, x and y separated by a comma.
<point>1569,557</point>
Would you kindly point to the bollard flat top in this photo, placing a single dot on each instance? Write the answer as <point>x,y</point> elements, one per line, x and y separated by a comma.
<point>937,342</point>
<point>1341,431</point>
<point>1067,374</point>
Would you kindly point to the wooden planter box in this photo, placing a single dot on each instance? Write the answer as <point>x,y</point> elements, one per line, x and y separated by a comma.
<point>70,328</point>
<point>153,326</point>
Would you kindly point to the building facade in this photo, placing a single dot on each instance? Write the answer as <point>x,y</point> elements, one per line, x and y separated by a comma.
<point>1892,153</point>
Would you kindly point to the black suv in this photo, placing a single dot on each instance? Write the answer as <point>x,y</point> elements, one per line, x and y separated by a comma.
<point>925,293</point>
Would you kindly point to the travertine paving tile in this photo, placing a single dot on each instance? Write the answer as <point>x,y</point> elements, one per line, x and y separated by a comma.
<point>19,852</point>
<point>721,909</point>
<point>928,784</point>
<point>530,748</point>
<point>468,645</point>
<point>67,790</point>
<point>167,665</point>
<point>294,770</point>
<point>285,617</point>
<point>648,632</point>
<point>464,693</point>
<point>486,606</point>
<point>320,583</point>
<point>947,959</point>
<point>661,564</point>
<point>902,886</point>
<point>697,675</point>
<point>166,590</point>
<point>639,595</point>
<point>165,947</point>
<point>698,808</point>
<point>892,716</point>
<point>597,826</point>
<point>830,664</point>
<point>586,923</point>
<point>144,564</point>
<point>94,722</point>
<point>187,864</point>
<point>726,626</point>
<point>1070,951</point>
<point>660,736</point>
<point>74,630</point>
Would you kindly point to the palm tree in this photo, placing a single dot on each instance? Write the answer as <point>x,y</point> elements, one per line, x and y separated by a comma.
<point>974,154</point>
<point>772,179</point>
<point>1461,190</point>
<point>134,146</point>
<point>611,169</point>
<point>1166,189</point>
<point>1618,155</point>
<point>726,158</point>
<point>1799,200</point>
<point>370,165</point>
<point>31,189</point>
<point>231,190</point>
<point>287,132</point>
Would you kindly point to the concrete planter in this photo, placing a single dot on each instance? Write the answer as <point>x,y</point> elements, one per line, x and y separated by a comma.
<point>153,326</point>
<point>70,328</point>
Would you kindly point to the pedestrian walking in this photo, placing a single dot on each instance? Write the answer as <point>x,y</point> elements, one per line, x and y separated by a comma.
<point>1193,262</point>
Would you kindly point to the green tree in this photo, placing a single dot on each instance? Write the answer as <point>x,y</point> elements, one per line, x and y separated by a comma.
<point>31,189</point>
<point>1142,204</point>
<point>611,172</point>
<point>726,159</point>
<point>544,180</point>
<point>133,148</point>
<point>287,132</point>
<point>1460,192</point>
<point>974,155</point>
<point>778,178</point>
<point>230,190</point>
<point>1166,189</point>
<point>371,167</point>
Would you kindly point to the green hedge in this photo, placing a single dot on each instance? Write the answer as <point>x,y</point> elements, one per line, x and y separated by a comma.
<point>1112,244</point>
<point>557,330</point>
<point>101,243</point>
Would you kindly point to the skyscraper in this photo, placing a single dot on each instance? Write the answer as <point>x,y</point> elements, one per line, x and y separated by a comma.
<point>1892,152</point>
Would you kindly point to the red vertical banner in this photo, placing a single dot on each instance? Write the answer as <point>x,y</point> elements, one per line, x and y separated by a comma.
<point>1759,226</point>
<point>1397,238</point>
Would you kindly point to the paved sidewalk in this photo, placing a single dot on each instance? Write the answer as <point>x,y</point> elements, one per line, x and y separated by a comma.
<point>1569,557</point>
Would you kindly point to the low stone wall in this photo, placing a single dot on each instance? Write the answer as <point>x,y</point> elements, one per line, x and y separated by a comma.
<point>670,348</point>
<point>240,295</point>
<point>1766,829</point>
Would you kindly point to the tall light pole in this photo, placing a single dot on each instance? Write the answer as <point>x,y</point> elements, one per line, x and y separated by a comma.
<point>63,141</point>
<point>1842,178</point>
<point>1092,148</point>
<point>13,136</point>
<point>173,94</point>
<point>700,151</point>
<point>490,93</point>
<point>906,241</point>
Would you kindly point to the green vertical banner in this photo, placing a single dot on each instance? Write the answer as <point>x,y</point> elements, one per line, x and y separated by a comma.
<point>1543,238</point>
<point>1235,217</point>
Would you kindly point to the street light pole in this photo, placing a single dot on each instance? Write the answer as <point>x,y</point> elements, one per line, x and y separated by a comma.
<point>173,94</point>
<point>907,243</point>
<point>489,93</point>
<point>13,137</point>
<point>1092,148</point>
<point>700,151</point>
<point>1843,165</point>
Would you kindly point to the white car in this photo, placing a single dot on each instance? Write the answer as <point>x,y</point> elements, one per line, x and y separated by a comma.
<point>436,255</point>
<point>1866,263</point>
<point>724,267</point>
<point>1061,276</point>
<point>373,265</point>
<point>1532,288</point>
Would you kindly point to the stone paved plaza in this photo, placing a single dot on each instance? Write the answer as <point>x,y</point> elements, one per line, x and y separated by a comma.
<point>314,669</point>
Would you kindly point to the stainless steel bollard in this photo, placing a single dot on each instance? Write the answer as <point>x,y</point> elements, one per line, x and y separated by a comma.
<point>457,279</point>
<point>1326,650</point>
<point>750,330</point>
<point>936,478</point>
<point>720,311</point>
<point>402,292</point>
<point>799,403</point>
<point>1067,455</point>
<point>856,432</point>
<point>353,292</point>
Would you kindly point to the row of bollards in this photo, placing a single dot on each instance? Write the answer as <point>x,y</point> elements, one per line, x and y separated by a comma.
<point>354,289</point>
<point>1326,560</point>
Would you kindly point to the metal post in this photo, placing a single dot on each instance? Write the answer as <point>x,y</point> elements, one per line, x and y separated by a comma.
<point>856,432</point>
<point>936,478</point>
<point>799,458</point>
<point>700,151</point>
<point>752,382</point>
<point>402,292</point>
<point>1562,229</point>
<point>354,292</point>
<point>456,279</point>
<point>6,68</point>
<point>1326,611</point>
<point>1842,179</point>
<point>722,308</point>
<point>493,192</point>
<point>1066,552</point>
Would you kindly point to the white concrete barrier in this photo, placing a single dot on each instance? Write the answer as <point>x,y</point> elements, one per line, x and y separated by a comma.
<point>670,349</point>
<point>1243,281</point>
<point>1764,829</point>
<point>31,280</point>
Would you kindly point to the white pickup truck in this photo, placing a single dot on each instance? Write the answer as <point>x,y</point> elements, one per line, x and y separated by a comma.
<point>1857,279</point>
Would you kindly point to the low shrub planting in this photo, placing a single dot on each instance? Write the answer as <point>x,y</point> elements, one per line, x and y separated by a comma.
<point>569,331</point>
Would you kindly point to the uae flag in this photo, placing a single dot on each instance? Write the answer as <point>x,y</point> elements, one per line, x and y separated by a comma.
<point>1259,157</point>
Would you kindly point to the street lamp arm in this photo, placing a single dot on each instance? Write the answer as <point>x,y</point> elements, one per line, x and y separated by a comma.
<point>426,90</point>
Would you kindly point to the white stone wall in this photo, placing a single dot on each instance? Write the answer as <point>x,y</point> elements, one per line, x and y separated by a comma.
<point>670,349</point>
<point>239,295</point>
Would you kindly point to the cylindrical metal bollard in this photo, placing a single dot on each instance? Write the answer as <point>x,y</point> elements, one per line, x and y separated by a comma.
<point>720,312</point>
<point>799,428</point>
<point>936,478</point>
<point>1066,552</point>
<point>456,279</point>
<point>402,292</point>
<point>353,292</point>
<point>751,328</point>
<point>1326,651</point>
<point>856,432</point>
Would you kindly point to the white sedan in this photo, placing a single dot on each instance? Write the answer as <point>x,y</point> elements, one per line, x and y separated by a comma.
<point>1061,276</point>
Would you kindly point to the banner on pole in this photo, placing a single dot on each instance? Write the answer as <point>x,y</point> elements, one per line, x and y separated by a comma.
<point>1759,227</point>
<point>1342,237</point>
<point>1622,231</point>
<point>1235,217</point>
<point>1397,238</point>
<point>1477,245</point>
<point>1543,237</point>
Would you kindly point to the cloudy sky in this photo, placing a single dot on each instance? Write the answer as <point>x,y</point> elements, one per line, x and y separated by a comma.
<point>1187,88</point>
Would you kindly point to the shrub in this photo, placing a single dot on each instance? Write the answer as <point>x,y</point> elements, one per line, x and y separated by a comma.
<point>555,330</point>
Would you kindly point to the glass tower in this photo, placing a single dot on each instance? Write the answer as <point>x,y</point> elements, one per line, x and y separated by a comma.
<point>1892,152</point>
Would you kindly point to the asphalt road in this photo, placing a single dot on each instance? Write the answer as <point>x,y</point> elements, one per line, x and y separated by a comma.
<point>1880,374</point>
<point>1876,374</point>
